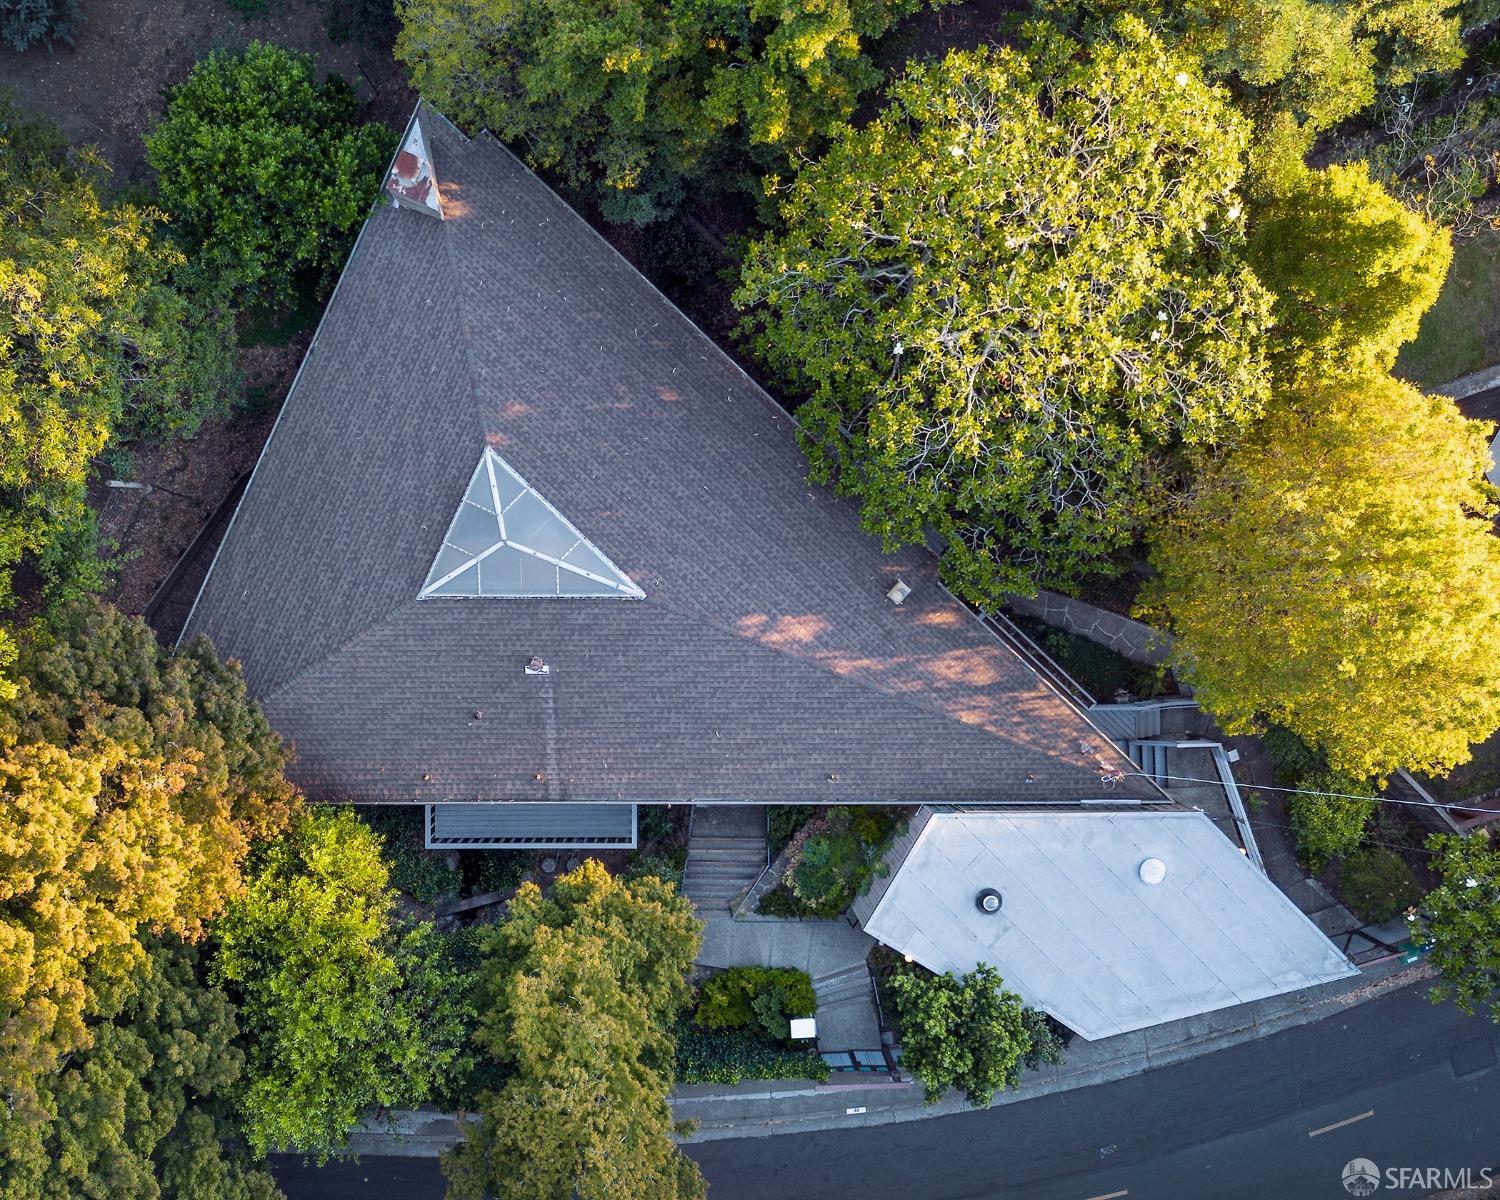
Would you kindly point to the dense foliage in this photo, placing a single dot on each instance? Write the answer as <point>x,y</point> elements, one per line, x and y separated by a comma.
<point>24,23</point>
<point>134,783</point>
<point>265,170</point>
<point>343,1008</point>
<point>1339,576</point>
<point>97,343</point>
<point>627,99</point>
<point>836,855</point>
<point>1377,884</point>
<point>732,1055</point>
<point>964,1031</point>
<point>1297,66</point>
<point>141,1112</point>
<point>1330,813</point>
<point>1460,922</point>
<point>1352,268</point>
<point>579,994</point>
<point>761,999</point>
<point>1014,298</point>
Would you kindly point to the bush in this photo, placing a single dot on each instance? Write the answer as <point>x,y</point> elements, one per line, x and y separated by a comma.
<point>1378,885</point>
<point>730,1055</point>
<point>264,169</point>
<point>761,999</point>
<point>1291,758</point>
<point>963,1031</point>
<point>839,857</point>
<point>1330,826</point>
<point>666,867</point>
<point>422,874</point>
<point>654,823</point>
<point>23,23</point>
<point>785,821</point>
<point>495,870</point>
<point>1046,1048</point>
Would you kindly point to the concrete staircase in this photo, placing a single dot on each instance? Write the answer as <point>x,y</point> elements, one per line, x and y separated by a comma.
<point>846,1010</point>
<point>726,854</point>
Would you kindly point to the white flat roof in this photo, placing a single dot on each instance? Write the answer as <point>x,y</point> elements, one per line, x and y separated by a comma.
<point>1080,936</point>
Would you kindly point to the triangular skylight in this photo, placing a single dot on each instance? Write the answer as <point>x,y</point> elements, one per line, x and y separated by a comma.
<point>506,541</point>
<point>411,182</point>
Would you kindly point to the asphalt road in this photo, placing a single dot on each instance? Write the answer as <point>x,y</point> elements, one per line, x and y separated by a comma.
<point>1402,1083</point>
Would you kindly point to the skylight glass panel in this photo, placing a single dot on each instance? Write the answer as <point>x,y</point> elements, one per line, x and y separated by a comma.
<point>505,540</point>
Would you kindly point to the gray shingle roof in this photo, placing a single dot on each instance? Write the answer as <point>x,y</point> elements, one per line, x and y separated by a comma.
<point>764,664</point>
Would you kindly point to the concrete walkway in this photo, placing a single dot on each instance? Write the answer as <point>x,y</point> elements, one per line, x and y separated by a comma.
<point>832,952</point>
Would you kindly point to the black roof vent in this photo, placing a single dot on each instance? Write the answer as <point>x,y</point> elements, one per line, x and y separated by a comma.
<point>988,901</point>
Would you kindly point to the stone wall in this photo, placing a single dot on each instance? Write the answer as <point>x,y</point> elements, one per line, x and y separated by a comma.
<point>1126,637</point>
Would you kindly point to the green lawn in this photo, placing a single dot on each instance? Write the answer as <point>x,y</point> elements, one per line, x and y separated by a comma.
<point>1462,332</point>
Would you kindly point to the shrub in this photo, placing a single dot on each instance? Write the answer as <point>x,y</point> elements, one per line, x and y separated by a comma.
<point>839,857</point>
<point>1330,826</point>
<point>666,867</point>
<point>422,874</point>
<point>654,823</point>
<point>1046,1048</point>
<point>264,169</point>
<point>495,870</point>
<point>963,1031</point>
<point>730,1055</point>
<point>1378,885</point>
<point>1291,758</point>
<point>23,23</point>
<point>761,999</point>
<point>784,821</point>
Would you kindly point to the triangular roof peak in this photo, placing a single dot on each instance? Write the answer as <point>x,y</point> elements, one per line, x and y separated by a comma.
<point>507,542</point>
<point>411,182</point>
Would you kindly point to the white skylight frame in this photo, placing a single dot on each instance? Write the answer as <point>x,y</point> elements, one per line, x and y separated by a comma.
<point>518,569</point>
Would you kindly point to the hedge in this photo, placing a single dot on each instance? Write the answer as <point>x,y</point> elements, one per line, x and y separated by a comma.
<point>731,1055</point>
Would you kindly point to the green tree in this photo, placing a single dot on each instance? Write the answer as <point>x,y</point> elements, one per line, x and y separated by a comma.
<point>1297,67</point>
<point>343,1009</point>
<point>1012,298</point>
<point>1352,268</point>
<point>265,171</point>
<point>962,1031</point>
<point>96,343</point>
<point>140,1113</point>
<point>134,782</point>
<point>24,23</point>
<point>1338,576</point>
<point>580,991</point>
<point>1329,814</point>
<point>625,99</point>
<point>1460,922</point>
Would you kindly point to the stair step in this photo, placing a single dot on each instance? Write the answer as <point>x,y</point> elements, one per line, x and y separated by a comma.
<point>724,870</point>
<point>727,843</point>
<point>858,971</point>
<point>726,856</point>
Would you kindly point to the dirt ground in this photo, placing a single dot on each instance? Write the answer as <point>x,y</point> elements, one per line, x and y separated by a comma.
<point>106,89</point>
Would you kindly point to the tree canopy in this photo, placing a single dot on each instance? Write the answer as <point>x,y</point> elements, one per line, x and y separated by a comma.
<point>141,1112</point>
<point>135,780</point>
<point>1339,576</point>
<point>963,1031</point>
<point>626,99</point>
<point>579,991</point>
<point>343,1009</point>
<point>1460,922</point>
<point>265,171</point>
<point>96,343</point>
<point>1352,268</point>
<point>1014,298</point>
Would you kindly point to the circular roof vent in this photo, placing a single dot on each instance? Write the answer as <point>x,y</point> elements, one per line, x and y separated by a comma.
<point>1153,871</point>
<point>988,901</point>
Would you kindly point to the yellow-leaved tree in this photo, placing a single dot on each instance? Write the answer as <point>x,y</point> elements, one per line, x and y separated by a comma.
<point>1339,575</point>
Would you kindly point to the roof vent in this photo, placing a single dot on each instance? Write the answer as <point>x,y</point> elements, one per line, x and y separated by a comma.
<point>1153,871</point>
<point>899,592</point>
<point>988,901</point>
<point>535,666</point>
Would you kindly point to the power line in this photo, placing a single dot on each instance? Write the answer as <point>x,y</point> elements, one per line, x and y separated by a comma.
<point>1267,787</point>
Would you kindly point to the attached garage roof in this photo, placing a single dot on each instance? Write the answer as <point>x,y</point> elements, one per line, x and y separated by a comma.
<point>1081,933</point>
<point>714,626</point>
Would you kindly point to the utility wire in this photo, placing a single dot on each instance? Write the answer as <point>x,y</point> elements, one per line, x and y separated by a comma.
<point>1266,787</point>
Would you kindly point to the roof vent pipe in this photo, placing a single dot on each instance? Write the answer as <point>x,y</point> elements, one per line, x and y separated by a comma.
<point>988,901</point>
<point>899,592</point>
<point>1153,871</point>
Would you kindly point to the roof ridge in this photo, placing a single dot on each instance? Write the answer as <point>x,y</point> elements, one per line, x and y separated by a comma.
<point>334,651</point>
